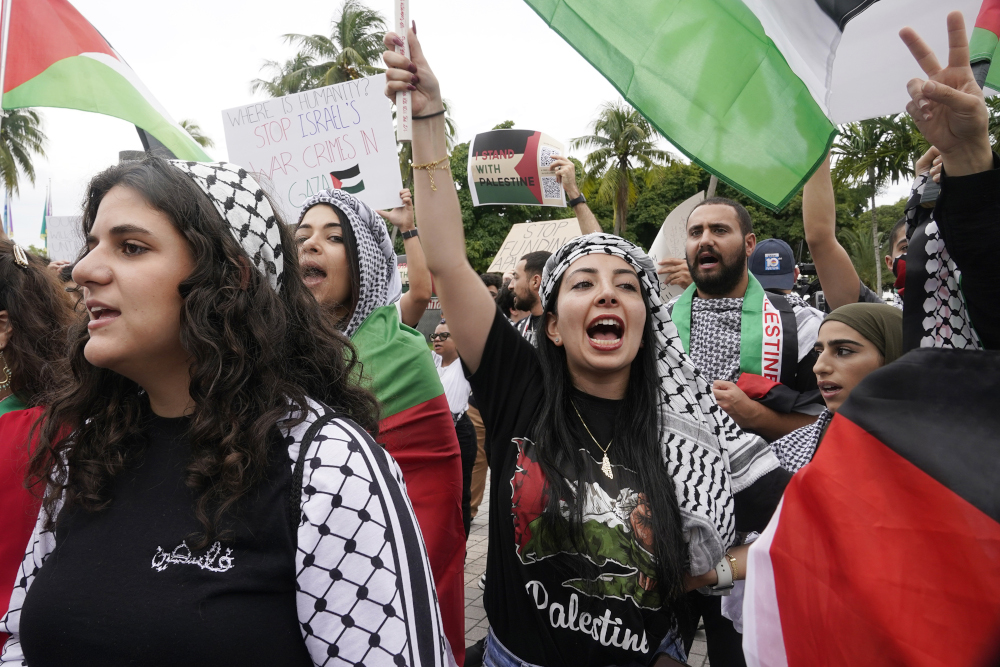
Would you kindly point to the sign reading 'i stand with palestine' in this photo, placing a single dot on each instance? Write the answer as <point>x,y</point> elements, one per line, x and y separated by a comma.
<point>512,167</point>
<point>337,137</point>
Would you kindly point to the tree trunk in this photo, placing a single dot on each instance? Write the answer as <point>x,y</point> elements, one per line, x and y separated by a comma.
<point>621,206</point>
<point>713,183</point>
<point>878,260</point>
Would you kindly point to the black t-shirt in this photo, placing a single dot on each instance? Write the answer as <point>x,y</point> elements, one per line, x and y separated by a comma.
<point>123,588</point>
<point>538,605</point>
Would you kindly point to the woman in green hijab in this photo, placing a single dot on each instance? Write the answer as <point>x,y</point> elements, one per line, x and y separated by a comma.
<point>853,341</point>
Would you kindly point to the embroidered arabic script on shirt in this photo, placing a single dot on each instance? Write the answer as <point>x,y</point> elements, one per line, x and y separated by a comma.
<point>181,555</point>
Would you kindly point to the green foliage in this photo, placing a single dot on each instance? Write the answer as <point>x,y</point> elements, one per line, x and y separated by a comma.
<point>41,252</point>
<point>21,137</point>
<point>197,134</point>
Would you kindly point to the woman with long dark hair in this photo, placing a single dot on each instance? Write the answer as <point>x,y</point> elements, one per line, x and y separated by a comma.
<point>349,265</point>
<point>34,316</point>
<point>617,481</point>
<point>210,492</point>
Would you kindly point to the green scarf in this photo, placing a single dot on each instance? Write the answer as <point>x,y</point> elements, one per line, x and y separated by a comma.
<point>10,404</point>
<point>761,335</point>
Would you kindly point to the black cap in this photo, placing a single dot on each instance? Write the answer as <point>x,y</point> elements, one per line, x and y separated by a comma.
<point>773,264</point>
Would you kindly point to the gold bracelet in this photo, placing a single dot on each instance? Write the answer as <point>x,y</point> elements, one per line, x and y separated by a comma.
<point>732,564</point>
<point>431,166</point>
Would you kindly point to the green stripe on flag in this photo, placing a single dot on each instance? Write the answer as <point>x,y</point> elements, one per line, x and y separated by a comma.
<point>982,45</point>
<point>80,82</point>
<point>354,189</point>
<point>710,80</point>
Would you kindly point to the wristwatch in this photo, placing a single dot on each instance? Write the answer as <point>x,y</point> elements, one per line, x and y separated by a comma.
<point>577,201</point>
<point>410,234</point>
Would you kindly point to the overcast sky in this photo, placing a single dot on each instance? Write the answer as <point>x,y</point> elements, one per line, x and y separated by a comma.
<point>496,61</point>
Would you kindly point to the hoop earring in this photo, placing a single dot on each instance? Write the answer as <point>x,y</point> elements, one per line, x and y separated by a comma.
<point>5,385</point>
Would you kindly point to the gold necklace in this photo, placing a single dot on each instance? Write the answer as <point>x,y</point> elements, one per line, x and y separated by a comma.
<point>606,462</point>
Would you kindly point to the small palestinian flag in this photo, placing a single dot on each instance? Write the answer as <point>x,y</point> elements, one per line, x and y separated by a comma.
<point>55,58</point>
<point>418,431</point>
<point>753,90</point>
<point>983,44</point>
<point>885,548</point>
<point>348,180</point>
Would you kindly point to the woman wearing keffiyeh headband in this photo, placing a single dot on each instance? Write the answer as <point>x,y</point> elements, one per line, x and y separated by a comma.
<point>350,267</point>
<point>616,477</point>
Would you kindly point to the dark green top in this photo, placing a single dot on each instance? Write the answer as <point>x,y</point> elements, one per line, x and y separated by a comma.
<point>10,404</point>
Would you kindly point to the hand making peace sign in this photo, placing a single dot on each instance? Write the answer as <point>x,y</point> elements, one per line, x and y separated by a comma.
<point>948,107</point>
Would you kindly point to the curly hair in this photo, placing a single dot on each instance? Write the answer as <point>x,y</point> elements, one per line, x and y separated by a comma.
<point>258,355</point>
<point>39,315</point>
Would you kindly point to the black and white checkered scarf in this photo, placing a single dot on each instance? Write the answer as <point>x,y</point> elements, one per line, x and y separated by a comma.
<point>798,447</point>
<point>240,201</point>
<point>705,452</point>
<point>715,337</point>
<point>380,282</point>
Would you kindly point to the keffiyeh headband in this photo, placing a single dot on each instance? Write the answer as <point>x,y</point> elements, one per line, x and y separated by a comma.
<point>241,202</point>
<point>706,454</point>
<point>380,282</point>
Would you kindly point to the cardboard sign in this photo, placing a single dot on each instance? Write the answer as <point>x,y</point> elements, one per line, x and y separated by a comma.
<point>671,238</point>
<point>64,237</point>
<point>337,137</point>
<point>528,237</point>
<point>511,167</point>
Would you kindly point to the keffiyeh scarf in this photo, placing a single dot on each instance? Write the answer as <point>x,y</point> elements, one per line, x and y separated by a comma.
<point>240,201</point>
<point>715,337</point>
<point>798,447</point>
<point>380,282</point>
<point>705,452</point>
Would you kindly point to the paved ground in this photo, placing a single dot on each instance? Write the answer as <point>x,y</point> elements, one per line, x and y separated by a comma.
<point>476,623</point>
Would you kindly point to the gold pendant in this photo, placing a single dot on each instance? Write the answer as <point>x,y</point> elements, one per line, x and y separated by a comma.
<point>606,467</point>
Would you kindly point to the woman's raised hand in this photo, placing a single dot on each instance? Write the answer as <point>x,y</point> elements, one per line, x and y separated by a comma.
<point>413,74</point>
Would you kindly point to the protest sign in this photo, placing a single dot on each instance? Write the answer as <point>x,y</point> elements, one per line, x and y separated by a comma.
<point>670,240</point>
<point>339,136</point>
<point>64,237</point>
<point>510,167</point>
<point>528,237</point>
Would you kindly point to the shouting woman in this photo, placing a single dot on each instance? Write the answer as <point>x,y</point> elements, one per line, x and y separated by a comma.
<point>211,494</point>
<point>617,482</point>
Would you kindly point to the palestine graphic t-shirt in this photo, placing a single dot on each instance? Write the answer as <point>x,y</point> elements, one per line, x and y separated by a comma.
<point>547,603</point>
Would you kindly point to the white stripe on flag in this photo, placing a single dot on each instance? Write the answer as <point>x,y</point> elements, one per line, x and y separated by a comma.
<point>763,640</point>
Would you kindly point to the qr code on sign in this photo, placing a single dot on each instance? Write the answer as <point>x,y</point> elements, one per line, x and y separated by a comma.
<point>545,155</point>
<point>551,189</point>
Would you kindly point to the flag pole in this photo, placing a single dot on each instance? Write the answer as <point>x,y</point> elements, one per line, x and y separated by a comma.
<point>404,110</point>
<point>4,39</point>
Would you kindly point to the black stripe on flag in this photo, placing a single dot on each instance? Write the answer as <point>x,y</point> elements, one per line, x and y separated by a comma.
<point>842,11</point>
<point>937,408</point>
<point>350,172</point>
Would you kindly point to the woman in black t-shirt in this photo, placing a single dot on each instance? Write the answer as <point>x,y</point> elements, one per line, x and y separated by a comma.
<point>615,474</point>
<point>203,504</point>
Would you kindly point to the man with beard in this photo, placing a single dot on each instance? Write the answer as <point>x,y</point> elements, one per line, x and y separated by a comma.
<point>731,327</point>
<point>524,286</point>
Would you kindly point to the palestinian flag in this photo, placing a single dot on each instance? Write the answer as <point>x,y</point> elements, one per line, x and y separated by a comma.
<point>752,90</point>
<point>417,429</point>
<point>348,180</point>
<point>885,548</point>
<point>46,214</point>
<point>983,44</point>
<point>55,58</point>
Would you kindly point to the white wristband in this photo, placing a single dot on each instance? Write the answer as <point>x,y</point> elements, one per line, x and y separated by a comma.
<point>725,583</point>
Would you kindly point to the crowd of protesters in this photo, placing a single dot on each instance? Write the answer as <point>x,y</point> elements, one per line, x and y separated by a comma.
<point>222,441</point>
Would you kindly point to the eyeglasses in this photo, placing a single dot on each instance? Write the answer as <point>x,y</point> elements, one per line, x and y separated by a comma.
<point>441,336</point>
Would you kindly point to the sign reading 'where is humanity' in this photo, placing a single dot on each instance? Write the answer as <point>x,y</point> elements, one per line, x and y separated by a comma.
<point>511,167</point>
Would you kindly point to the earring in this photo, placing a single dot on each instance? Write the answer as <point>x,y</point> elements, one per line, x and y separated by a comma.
<point>5,385</point>
<point>558,339</point>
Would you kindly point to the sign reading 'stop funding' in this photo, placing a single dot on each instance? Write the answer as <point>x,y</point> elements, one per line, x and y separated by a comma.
<point>336,137</point>
<point>512,167</point>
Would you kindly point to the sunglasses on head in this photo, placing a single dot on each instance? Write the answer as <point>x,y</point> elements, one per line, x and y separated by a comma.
<point>441,336</point>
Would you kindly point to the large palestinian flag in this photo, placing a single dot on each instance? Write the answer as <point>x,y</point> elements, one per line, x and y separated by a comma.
<point>752,90</point>
<point>417,429</point>
<point>55,58</point>
<point>886,547</point>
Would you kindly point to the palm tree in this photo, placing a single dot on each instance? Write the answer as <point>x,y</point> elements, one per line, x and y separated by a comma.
<point>624,143</point>
<point>286,79</point>
<point>350,52</point>
<point>874,152</point>
<point>20,136</point>
<point>196,133</point>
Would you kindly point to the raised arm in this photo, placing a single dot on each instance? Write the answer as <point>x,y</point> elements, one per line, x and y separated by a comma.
<point>565,172</point>
<point>414,302</point>
<point>464,298</point>
<point>834,268</point>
